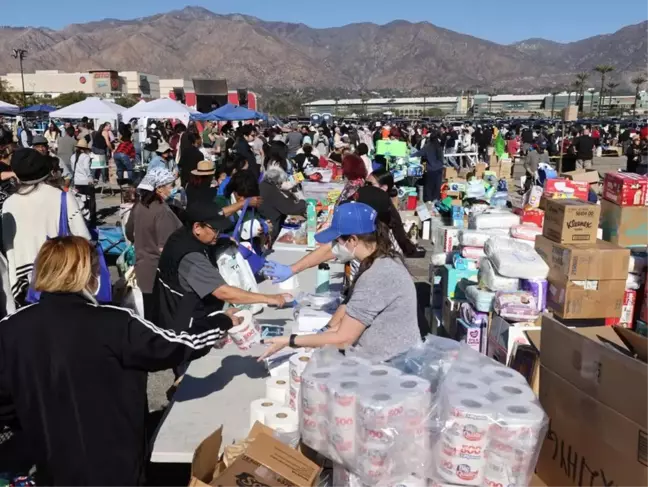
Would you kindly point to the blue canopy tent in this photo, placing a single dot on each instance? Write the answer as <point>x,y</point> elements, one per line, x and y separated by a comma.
<point>228,112</point>
<point>39,109</point>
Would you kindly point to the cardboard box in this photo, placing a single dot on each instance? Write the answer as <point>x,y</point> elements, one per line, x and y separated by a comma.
<point>571,221</point>
<point>450,315</point>
<point>595,393</point>
<point>450,173</point>
<point>502,337</point>
<point>447,238</point>
<point>450,278</point>
<point>534,216</point>
<point>583,262</point>
<point>627,311</point>
<point>506,168</point>
<point>479,169</point>
<point>626,226</point>
<point>625,189</point>
<point>265,461</point>
<point>473,336</point>
<point>586,299</point>
<point>589,176</point>
<point>525,358</point>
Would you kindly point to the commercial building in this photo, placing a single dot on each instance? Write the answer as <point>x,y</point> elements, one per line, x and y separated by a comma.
<point>409,107</point>
<point>104,82</point>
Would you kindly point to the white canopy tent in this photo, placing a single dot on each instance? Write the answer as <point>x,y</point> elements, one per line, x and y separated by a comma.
<point>161,108</point>
<point>8,109</point>
<point>93,108</point>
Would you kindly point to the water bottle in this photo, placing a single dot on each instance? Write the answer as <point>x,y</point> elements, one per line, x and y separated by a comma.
<point>323,278</point>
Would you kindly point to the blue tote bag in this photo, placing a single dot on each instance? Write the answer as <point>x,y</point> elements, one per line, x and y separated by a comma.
<point>104,295</point>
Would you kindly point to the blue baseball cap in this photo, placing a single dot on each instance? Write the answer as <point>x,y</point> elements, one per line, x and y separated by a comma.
<point>349,219</point>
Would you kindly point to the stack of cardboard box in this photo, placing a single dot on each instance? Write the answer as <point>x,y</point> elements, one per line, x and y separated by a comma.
<point>623,209</point>
<point>587,276</point>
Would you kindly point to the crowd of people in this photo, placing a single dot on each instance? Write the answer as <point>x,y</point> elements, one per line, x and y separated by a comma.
<point>76,387</point>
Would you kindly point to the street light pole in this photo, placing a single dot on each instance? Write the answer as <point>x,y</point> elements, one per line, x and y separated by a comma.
<point>20,54</point>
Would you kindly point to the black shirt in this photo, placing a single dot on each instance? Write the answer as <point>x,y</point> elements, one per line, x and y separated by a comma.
<point>584,146</point>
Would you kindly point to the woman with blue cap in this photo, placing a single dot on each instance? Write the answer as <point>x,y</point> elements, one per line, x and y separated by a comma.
<point>380,314</point>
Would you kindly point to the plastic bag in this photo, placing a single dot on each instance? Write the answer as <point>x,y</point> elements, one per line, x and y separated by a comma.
<point>475,253</point>
<point>516,306</point>
<point>237,273</point>
<point>494,219</point>
<point>471,316</point>
<point>526,232</point>
<point>501,243</point>
<point>477,238</point>
<point>491,279</point>
<point>527,264</point>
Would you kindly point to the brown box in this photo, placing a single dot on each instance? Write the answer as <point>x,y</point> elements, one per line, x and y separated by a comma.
<point>586,299</point>
<point>265,461</point>
<point>595,394</point>
<point>450,173</point>
<point>597,261</point>
<point>626,226</point>
<point>479,170</point>
<point>590,176</point>
<point>526,359</point>
<point>506,167</point>
<point>571,221</point>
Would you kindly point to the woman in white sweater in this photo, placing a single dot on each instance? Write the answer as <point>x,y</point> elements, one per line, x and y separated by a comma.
<point>83,178</point>
<point>31,215</point>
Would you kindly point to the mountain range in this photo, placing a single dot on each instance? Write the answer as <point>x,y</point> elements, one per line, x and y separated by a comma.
<point>247,51</point>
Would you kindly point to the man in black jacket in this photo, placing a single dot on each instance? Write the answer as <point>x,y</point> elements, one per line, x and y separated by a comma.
<point>242,147</point>
<point>433,154</point>
<point>584,146</point>
<point>190,157</point>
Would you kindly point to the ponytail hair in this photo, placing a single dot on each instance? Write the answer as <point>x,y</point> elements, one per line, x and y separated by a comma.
<point>385,178</point>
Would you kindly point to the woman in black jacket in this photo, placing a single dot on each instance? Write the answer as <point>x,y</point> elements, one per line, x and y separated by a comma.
<point>76,371</point>
<point>277,203</point>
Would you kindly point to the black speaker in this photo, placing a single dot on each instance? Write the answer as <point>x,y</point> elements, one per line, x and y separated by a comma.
<point>242,97</point>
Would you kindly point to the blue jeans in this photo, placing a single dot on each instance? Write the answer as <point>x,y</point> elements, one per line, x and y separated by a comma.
<point>123,163</point>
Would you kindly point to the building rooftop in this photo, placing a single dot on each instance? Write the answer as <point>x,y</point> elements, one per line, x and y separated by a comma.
<point>383,101</point>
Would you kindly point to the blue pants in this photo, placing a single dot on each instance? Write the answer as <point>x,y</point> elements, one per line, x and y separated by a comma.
<point>123,163</point>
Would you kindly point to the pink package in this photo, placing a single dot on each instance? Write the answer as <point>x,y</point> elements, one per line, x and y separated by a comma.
<point>475,253</point>
<point>526,232</point>
<point>516,305</point>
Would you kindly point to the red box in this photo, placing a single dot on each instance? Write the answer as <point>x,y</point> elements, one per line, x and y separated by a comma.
<point>627,311</point>
<point>558,185</point>
<point>625,189</point>
<point>535,216</point>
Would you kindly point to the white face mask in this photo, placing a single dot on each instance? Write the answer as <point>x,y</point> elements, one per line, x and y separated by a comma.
<point>342,254</point>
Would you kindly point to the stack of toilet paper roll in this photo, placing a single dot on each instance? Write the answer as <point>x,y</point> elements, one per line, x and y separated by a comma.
<point>370,419</point>
<point>296,366</point>
<point>493,426</point>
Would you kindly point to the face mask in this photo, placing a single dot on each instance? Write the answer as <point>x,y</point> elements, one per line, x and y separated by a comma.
<point>342,254</point>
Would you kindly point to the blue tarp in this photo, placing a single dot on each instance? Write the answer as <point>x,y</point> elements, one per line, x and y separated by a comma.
<point>228,112</point>
<point>39,108</point>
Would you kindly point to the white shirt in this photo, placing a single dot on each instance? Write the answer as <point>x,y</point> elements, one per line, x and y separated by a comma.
<point>82,172</point>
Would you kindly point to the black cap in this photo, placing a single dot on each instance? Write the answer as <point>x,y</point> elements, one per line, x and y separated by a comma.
<point>201,212</point>
<point>30,166</point>
<point>376,198</point>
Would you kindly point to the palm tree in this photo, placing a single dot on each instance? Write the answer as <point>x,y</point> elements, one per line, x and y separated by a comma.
<point>603,70</point>
<point>611,86</point>
<point>637,81</point>
<point>579,85</point>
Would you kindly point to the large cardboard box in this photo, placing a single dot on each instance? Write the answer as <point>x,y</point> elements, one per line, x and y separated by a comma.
<point>589,176</point>
<point>586,299</point>
<point>585,262</point>
<point>571,221</point>
<point>265,461</point>
<point>626,226</point>
<point>625,189</point>
<point>595,394</point>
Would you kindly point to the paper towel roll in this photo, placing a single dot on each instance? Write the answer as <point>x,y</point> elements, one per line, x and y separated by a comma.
<point>283,420</point>
<point>343,402</point>
<point>466,385</point>
<point>496,372</point>
<point>277,389</point>
<point>260,407</point>
<point>246,334</point>
<point>511,389</point>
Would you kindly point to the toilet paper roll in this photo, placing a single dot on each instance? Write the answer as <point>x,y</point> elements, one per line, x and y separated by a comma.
<point>417,394</point>
<point>353,367</point>
<point>518,423</point>
<point>343,403</point>
<point>412,481</point>
<point>505,390</point>
<point>446,346</point>
<point>458,471</point>
<point>496,372</point>
<point>298,363</point>
<point>500,469</point>
<point>381,411</point>
<point>283,420</point>
<point>260,407</point>
<point>314,391</point>
<point>294,398</point>
<point>377,372</point>
<point>464,371</point>
<point>277,389</point>
<point>466,385</point>
<point>246,334</point>
<point>467,419</point>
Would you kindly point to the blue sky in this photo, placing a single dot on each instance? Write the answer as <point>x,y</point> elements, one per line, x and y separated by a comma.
<point>504,22</point>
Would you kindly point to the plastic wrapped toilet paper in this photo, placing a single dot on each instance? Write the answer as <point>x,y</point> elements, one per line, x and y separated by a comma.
<point>260,407</point>
<point>491,279</point>
<point>496,372</point>
<point>298,363</point>
<point>506,390</point>
<point>377,372</point>
<point>466,385</point>
<point>342,405</point>
<point>277,389</point>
